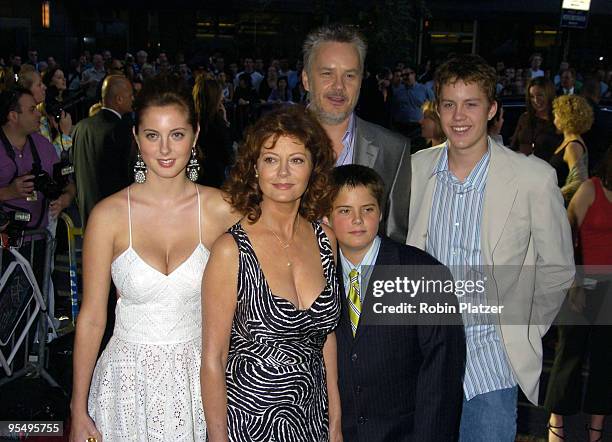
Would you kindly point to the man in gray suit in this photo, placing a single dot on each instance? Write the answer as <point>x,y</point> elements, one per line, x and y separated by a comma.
<point>333,69</point>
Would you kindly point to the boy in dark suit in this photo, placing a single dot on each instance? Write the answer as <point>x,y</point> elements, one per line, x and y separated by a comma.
<point>397,383</point>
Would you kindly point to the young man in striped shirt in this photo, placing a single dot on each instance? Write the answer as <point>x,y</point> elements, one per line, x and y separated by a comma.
<point>493,214</point>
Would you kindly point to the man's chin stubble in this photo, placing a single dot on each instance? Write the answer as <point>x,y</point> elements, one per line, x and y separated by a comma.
<point>331,119</point>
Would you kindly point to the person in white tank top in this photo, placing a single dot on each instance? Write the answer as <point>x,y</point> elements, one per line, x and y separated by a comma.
<point>153,238</point>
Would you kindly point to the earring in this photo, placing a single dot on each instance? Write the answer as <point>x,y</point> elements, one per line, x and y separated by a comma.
<point>140,169</point>
<point>256,173</point>
<point>193,168</point>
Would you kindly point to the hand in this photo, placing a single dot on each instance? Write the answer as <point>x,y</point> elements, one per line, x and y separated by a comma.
<point>65,123</point>
<point>22,186</point>
<point>56,207</point>
<point>83,427</point>
<point>577,299</point>
<point>223,113</point>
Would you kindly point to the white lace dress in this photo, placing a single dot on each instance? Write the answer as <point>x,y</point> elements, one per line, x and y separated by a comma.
<point>146,384</point>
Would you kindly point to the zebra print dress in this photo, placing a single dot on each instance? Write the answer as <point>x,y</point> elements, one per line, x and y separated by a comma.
<point>276,388</point>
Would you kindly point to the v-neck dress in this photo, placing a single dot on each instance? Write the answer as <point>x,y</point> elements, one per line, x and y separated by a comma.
<point>275,376</point>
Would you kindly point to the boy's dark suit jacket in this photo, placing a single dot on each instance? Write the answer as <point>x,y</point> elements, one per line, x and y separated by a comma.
<point>400,383</point>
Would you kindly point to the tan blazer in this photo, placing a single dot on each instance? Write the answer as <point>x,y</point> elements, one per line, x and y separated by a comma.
<point>526,247</point>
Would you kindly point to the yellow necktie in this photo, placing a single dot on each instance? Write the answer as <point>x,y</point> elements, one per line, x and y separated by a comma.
<point>354,300</point>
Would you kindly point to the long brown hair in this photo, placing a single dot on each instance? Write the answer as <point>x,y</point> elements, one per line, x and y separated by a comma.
<point>549,94</point>
<point>242,186</point>
<point>206,97</point>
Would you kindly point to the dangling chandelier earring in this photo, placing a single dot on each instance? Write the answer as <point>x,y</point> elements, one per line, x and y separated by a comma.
<point>140,169</point>
<point>193,168</point>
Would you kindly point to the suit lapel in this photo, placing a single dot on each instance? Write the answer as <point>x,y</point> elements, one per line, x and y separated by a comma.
<point>344,325</point>
<point>500,195</point>
<point>423,186</point>
<point>365,152</point>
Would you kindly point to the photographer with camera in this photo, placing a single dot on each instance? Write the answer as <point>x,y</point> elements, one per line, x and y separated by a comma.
<point>55,123</point>
<point>31,176</point>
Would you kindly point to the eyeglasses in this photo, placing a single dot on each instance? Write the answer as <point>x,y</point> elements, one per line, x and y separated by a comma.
<point>408,74</point>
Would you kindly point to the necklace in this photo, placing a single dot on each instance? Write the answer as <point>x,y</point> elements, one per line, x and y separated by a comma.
<point>285,245</point>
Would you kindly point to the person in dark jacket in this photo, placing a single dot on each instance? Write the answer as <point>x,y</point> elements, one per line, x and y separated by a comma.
<point>399,380</point>
<point>101,147</point>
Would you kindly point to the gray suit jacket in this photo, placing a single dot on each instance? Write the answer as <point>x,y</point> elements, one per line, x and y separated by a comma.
<point>526,247</point>
<point>388,153</point>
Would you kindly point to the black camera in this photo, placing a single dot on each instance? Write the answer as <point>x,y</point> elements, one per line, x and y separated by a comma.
<point>12,226</point>
<point>44,183</point>
<point>14,221</point>
<point>54,108</point>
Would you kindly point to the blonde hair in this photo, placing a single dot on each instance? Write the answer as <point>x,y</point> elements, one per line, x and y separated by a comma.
<point>26,76</point>
<point>430,111</point>
<point>572,114</point>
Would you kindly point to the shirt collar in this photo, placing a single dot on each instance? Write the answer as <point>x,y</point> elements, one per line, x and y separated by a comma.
<point>368,259</point>
<point>475,179</point>
<point>347,139</point>
<point>113,111</point>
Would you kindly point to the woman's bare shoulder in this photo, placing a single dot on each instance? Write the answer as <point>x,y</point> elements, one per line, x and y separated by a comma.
<point>110,213</point>
<point>216,206</point>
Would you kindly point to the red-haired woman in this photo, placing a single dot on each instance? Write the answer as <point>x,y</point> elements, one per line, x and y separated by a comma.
<point>270,298</point>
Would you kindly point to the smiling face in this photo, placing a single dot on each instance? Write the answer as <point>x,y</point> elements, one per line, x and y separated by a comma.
<point>284,169</point>
<point>464,111</point>
<point>165,138</point>
<point>355,217</point>
<point>333,80</point>
<point>537,98</point>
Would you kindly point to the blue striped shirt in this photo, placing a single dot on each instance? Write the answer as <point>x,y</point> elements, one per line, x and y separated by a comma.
<point>369,259</point>
<point>454,239</point>
<point>348,143</point>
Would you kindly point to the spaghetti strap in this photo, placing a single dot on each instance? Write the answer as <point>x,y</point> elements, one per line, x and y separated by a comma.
<point>129,216</point>
<point>199,215</point>
<point>574,141</point>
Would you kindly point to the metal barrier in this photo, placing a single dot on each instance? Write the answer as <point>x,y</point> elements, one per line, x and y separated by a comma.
<point>33,365</point>
<point>73,232</point>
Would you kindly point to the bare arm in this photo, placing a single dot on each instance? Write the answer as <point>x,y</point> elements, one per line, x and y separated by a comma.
<point>217,214</point>
<point>580,203</point>
<point>578,172</point>
<point>219,300</point>
<point>97,257</point>
<point>330,357</point>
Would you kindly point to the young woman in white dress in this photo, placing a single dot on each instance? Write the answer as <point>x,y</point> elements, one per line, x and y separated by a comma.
<point>153,239</point>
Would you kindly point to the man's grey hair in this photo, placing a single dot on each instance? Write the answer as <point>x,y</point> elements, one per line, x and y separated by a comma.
<point>336,33</point>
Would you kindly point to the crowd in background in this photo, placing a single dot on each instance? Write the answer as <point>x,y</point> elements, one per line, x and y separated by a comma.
<point>563,123</point>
